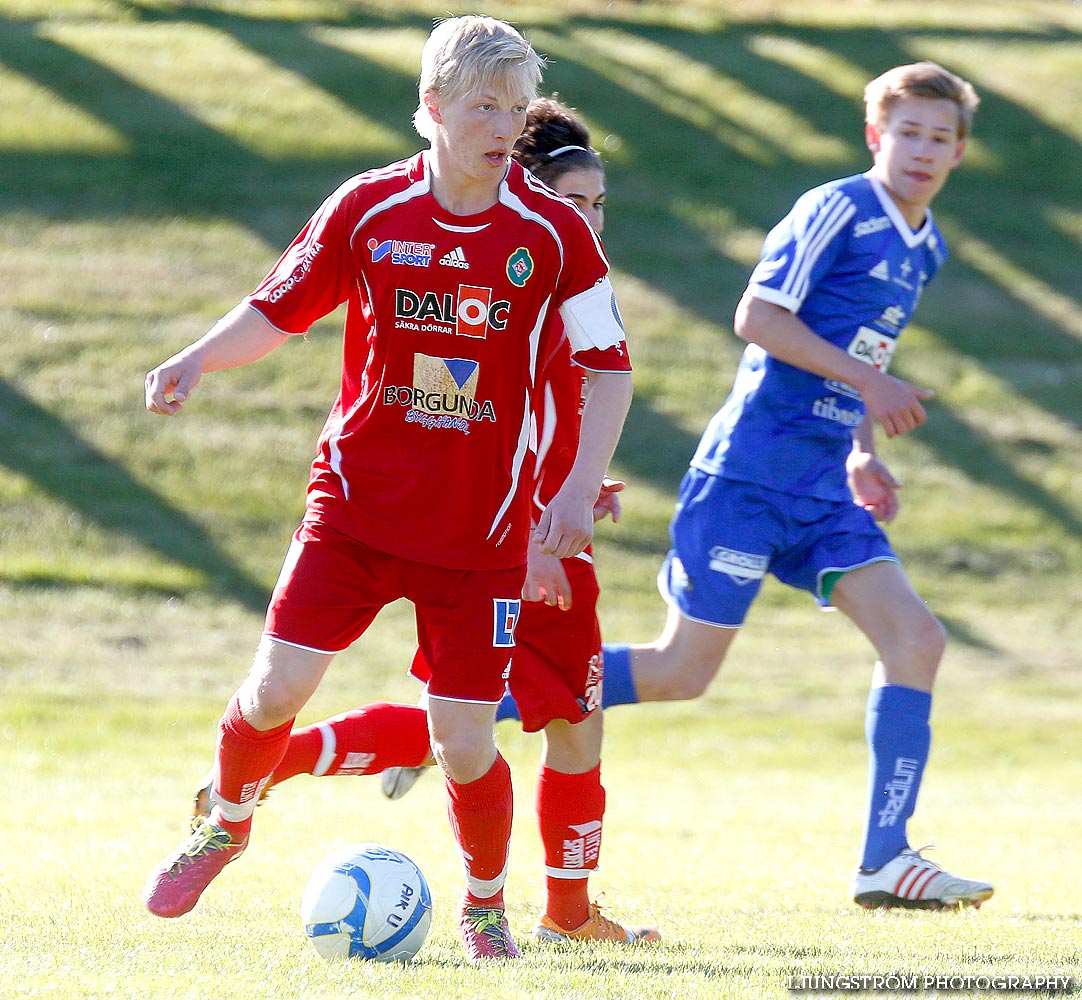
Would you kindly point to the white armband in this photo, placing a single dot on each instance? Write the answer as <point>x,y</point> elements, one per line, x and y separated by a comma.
<point>592,320</point>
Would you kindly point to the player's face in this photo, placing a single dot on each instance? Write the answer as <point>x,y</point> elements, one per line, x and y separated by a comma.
<point>586,188</point>
<point>479,130</point>
<point>915,151</point>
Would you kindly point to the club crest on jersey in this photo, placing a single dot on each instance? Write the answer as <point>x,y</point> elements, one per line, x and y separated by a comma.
<point>505,615</point>
<point>519,267</point>
<point>402,252</point>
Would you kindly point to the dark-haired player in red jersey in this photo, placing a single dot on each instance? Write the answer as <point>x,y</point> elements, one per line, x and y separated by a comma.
<point>457,269</point>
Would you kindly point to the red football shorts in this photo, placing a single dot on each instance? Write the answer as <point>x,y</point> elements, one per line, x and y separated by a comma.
<point>332,587</point>
<point>556,667</point>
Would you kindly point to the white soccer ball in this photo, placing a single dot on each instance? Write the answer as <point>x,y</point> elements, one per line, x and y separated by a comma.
<point>367,902</point>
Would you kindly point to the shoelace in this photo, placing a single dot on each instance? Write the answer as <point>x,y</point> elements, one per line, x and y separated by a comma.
<point>918,854</point>
<point>489,924</point>
<point>607,926</point>
<point>206,837</point>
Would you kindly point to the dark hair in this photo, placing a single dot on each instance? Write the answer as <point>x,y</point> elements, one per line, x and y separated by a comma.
<point>554,127</point>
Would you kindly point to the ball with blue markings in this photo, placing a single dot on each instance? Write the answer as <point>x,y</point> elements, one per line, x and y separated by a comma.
<point>367,902</point>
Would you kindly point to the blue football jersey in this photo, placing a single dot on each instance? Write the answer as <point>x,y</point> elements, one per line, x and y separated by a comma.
<point>846,263</point>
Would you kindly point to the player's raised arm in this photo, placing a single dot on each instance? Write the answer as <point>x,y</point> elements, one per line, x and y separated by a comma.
<point>893,402</point>
<point>241,336</point>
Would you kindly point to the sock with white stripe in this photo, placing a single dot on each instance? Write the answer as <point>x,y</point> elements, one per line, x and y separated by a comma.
<point>570,809</point>
<point>365,740</point>
<point>480,813</point>
<point>244,759</point>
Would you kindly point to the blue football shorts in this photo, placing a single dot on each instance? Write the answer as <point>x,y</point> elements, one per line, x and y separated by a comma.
<point>727,535</point>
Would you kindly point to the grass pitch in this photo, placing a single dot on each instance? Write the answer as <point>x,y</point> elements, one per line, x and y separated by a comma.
<point>154,159</point>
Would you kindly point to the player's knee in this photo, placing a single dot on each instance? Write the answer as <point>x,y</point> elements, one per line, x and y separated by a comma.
<point>462,755</point>
<point>573,749</point>
<point>920,647</point>
<point>931,640</point>
<point>272,704</point>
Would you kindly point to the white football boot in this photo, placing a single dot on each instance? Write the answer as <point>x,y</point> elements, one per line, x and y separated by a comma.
<point>396,781</point>
<point>910,881</point>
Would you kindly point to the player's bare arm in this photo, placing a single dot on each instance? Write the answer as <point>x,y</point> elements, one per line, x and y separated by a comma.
<point>567,523</point>
<point>241,336</point>
<point>894,403</point>
<point>545,577</point>
<point>874,487</point>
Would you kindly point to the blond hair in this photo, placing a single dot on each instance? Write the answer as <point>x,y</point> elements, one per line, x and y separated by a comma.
<point>471,53</point>
<point>923,79</point>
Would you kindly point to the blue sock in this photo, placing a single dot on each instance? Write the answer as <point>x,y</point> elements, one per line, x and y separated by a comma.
<point>618,687</point>
<point>899,737</point>
<point>507,709</point>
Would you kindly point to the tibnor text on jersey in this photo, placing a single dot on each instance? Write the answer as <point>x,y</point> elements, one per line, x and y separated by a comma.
<point>425,454</point>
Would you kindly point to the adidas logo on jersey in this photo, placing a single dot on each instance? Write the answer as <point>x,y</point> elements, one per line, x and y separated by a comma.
<point>880,271</point>
<point>456,258</point>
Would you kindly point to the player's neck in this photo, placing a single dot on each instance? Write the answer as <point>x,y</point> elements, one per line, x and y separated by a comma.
<point>914,212</point>
<point>460,194</point>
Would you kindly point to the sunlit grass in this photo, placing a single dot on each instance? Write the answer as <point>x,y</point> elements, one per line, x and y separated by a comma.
<point>33,118</point>
<point>266,108</point>
<point>150,175</point>
<point>732,831</point>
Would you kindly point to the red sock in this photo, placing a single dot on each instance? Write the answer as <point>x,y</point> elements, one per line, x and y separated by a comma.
<point>570,808</point>
<point>365,740</point>
<point>245,759</point>
<point>480,814</point>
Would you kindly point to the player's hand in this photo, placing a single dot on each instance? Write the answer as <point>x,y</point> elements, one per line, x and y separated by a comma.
<point>608,503</point>
<point>873,486</point>
<point>566,525</point>
<point>895,403</point>
<point>175,378</point>
<point>546,580</point>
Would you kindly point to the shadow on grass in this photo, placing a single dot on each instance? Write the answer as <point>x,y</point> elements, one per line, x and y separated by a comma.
<point>959,631</point>
<point>687,159</point>
<point>42,448</point>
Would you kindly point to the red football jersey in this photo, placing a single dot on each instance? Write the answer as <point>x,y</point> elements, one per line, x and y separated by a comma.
<point>425,453</point>
<point>559,402</point>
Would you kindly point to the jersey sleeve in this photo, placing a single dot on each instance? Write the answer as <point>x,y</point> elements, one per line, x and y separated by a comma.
<point>315,274</point>
<point>595,330</point>
<point>587,303</point>
<point>802,248</point>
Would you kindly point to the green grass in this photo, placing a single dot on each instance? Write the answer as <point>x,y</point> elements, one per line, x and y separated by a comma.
<point>154,159</point>
<point>734,833</point>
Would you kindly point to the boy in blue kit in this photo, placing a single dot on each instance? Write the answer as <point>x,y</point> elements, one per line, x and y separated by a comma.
<point>786,480</point>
